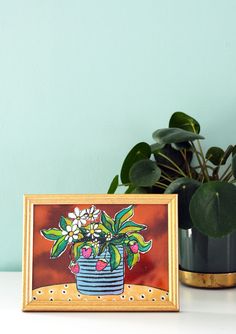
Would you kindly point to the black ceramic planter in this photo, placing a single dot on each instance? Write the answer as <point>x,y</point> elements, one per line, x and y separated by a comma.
<point>207,262</point>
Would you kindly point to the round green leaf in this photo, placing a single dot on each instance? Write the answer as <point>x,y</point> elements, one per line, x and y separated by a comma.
<point>185,188</point>
<point>144,173</point>
<point>215,155</point>
<point>183,121</point>
<point>213,208</point>
<point>174,135</point>
<point>140,151</point>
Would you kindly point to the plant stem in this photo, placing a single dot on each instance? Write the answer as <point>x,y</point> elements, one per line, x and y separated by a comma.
<point>184,155</point>
<point>227,177</point>
<point>201,163</point>
<point>167,175</point>
<point>200,154</point>
<point>161,185</point>
<point>166,178</point>
<point>171,168</point>
<point>225,172</point>
<point>173,163</point>
<point>208,166</point>
<point>203,159</point>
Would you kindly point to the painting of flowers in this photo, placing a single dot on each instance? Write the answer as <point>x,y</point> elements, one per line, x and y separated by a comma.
<point>101,255</point>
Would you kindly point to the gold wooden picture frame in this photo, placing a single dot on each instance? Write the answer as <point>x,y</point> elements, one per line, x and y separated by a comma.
<point>100,253</point>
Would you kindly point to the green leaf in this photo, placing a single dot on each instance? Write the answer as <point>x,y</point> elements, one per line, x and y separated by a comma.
<point>140,151</point>
<point>77,248</point>
<point>143,246</point>
<point>213,208</point>
<point>51,233</point>
<point>115,257</point>
<point>103,228</point>
<point>144,173</point>
<point>132,258</point>
<point>108,222</point>
<point>64,222</point>
<point>174,135</point>
<point>215,155</point>
<point>123,215</point>
<point>59,247</point>
<point>185,188</point>
<point>114,185</point>
<point>130,226</point>
<point>183,121</point>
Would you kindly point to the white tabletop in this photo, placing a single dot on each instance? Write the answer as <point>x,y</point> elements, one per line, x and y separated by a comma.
<point>202,311</point>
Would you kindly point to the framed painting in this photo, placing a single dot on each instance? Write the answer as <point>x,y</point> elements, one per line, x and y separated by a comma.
<point>100,253</point>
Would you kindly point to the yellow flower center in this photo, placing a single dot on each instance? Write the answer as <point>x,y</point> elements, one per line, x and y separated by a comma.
<point>71,234</point>
<point>90,215</point>
<point>92,231</point>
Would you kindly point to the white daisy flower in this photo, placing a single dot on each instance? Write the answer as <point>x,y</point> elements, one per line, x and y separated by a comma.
<point>93,231</point>
<point>79,217</point>
<point>95,243</point>
<point>71,233</point>
<point>92,213</point>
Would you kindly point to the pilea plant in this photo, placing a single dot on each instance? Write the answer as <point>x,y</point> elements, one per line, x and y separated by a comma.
<point>176,163</point>
<point>93,233</point>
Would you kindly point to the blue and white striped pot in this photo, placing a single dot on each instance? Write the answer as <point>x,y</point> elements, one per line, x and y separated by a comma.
<point>89,281</point>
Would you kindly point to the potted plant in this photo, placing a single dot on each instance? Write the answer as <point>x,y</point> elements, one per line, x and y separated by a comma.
<point>98,246</point>
<point>205,183</point>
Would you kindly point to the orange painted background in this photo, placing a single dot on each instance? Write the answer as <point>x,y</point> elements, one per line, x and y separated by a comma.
<point>152,270</point>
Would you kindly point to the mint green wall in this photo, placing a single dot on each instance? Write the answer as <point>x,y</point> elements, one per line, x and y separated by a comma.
<point>82,81</point>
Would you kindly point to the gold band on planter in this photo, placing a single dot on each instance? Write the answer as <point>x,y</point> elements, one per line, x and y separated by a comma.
<point>210,281</point>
